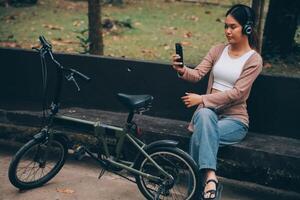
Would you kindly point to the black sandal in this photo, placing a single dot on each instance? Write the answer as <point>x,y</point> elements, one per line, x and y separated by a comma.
<point>216,193</point>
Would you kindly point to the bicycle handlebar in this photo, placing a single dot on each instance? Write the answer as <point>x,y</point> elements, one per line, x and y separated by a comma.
<point>80,75</point>
<point>45,43</point>
<point>62,71</point>
<point>48,47</point>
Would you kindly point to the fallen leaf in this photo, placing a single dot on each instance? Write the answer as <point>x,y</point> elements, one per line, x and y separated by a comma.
<point>146,51</point>
<point>11,17</point>
<point>116,38</point>
<point>137,24</point>
<point>193,18</point>
<point>149,52</point>
<point>167,47</point>
<point>170,30</point>
<point>10,44</point>
<point>61,42</point>
<point>220,20</point>
<point>65,190</point>
<point>78,23</point>
<point>184,43</point>
<point>187,34</point>
<point>52,27</point>
<point>70,50</point>
<point>267,65</point>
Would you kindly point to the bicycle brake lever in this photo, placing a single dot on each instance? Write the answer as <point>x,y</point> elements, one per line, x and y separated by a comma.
<point>70,77</point>
<point>37,49</point>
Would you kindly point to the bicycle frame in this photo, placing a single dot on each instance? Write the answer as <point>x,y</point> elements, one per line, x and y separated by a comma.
<point>100,129</point>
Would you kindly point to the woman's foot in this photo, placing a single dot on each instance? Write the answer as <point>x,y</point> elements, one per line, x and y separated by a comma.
<point>211,185</point>
<point>210,190</point>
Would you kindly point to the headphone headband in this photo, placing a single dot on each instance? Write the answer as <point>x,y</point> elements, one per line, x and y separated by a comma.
<point>249,16</point>
<point>247,27</point>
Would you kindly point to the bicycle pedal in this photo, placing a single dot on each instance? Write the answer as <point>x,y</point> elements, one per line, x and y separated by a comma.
<point>79,153</point>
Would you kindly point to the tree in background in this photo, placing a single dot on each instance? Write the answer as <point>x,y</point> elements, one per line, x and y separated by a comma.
<point>95,27</point>
<point>260,8</point>
<point>280,28</point>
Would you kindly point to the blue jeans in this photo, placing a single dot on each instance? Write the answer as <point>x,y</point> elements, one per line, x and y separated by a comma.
<point>210,133</point>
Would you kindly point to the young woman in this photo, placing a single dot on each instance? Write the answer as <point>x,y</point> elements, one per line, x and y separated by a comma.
<point>221,116</point>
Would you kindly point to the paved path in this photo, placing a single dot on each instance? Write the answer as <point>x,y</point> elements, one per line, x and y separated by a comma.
<point>78,181</point>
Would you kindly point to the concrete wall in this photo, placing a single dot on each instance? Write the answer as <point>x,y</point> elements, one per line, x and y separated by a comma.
<point>273,105</point>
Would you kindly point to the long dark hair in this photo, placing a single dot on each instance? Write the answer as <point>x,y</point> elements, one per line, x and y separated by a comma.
<point>240,14</point>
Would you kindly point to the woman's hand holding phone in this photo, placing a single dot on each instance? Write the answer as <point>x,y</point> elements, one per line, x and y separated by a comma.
<point>178,64</point>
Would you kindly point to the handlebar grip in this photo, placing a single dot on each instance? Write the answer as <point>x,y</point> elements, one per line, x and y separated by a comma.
<point>82,76</point>
<point>44,42</point>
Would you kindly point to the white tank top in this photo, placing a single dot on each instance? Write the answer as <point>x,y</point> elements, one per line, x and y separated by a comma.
<point>227,70</point>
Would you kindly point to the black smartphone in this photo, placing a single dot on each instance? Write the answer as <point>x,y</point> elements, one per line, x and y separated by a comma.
<point>179,51</point>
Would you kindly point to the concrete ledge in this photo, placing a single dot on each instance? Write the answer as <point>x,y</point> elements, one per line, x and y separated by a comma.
<point>267,106</point>
<point>268,160</point>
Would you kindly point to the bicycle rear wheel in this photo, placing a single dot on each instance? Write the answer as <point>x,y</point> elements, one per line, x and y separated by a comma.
<point>37,162</point>
<point>179,165</point>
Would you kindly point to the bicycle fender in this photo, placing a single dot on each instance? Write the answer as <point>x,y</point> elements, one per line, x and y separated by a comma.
<point>161,143</point>
<point>64,138</point>
<point>153,145</point>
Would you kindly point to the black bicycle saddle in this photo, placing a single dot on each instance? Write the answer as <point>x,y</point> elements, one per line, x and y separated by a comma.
<point>135,102</point>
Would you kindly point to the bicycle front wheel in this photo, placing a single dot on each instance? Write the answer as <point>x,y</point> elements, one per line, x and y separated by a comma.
<point>175,162</point>
<point>37,162</point>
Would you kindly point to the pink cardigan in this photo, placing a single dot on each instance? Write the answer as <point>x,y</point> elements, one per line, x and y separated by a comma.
<point>231,102</point>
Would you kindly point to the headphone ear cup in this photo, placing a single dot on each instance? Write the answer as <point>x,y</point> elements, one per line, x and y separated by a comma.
<point>247,29</point>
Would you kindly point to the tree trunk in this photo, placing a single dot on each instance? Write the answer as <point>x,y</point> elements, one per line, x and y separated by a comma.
<point>281,26</point>
<point>95,28</point>
<point>260,8</point>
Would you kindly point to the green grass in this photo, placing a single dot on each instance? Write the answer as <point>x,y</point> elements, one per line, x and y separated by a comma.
<point>157,26</point>
<point>25,24</point>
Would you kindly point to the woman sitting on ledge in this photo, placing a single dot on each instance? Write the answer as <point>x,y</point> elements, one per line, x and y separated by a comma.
<point>221,116</point>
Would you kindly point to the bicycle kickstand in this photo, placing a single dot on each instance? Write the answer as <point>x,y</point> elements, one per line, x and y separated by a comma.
<point>101,173</point>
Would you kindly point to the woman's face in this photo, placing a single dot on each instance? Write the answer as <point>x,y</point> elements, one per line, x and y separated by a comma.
<point>233,30</point>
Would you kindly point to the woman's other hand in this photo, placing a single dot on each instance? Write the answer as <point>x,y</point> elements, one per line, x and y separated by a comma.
<point>177,65</point>
<point>192,99</point>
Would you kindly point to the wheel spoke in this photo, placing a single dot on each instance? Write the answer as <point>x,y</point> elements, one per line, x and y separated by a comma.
<point>35,173</point>
<point>30,171</point>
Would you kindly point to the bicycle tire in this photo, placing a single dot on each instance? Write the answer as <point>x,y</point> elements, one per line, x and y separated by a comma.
<point>57,144</point>
<point>176,162</point>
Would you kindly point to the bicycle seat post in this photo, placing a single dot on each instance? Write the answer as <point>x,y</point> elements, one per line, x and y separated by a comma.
<point>130,117</point>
